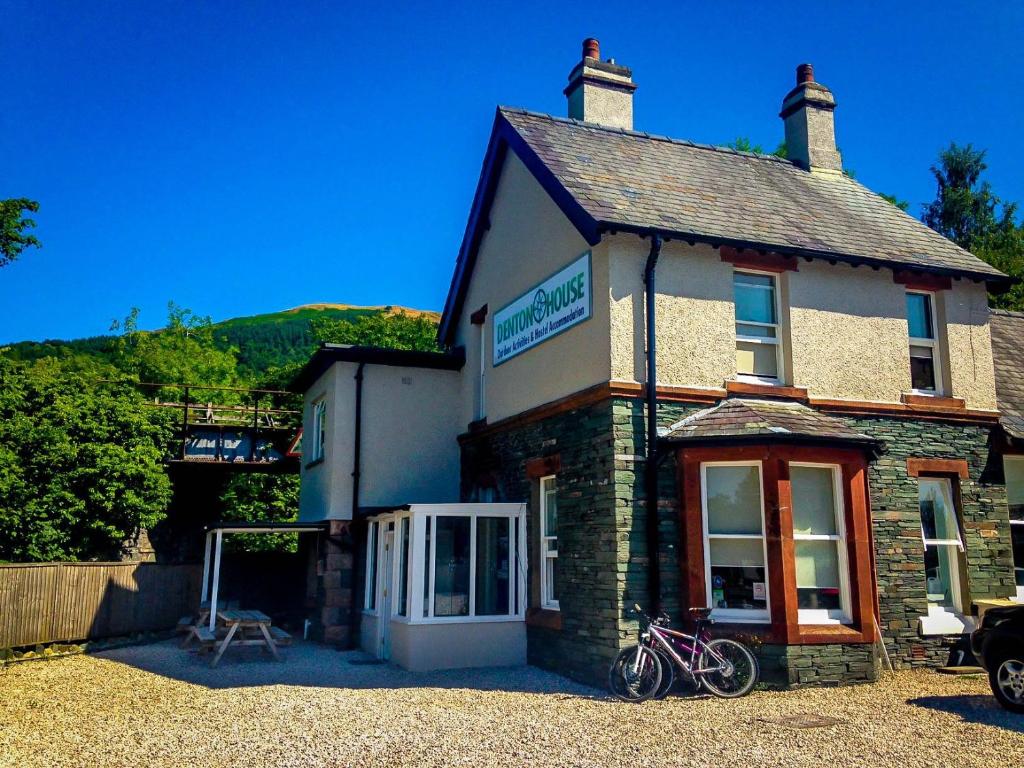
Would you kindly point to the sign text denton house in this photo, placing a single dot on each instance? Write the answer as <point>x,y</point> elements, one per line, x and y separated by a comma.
<point>557,304</point>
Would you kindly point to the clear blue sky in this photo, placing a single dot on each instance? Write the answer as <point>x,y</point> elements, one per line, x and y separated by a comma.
<point>247,157</point>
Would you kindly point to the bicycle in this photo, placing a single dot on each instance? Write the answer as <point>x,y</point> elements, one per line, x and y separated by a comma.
<point>725,668</point>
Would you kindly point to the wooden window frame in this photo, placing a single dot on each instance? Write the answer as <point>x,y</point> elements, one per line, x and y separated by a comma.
<point>319,443</point>
<point>784,626</point>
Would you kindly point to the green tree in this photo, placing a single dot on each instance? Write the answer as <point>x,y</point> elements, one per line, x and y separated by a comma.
<point>394,331</point>
<point>183,352</point>
<point>81,462</point>
<point>903,205</point>
<point>968,212</point>
<point>261,497</point>
<point>743,144</point>
<point>13,228</point>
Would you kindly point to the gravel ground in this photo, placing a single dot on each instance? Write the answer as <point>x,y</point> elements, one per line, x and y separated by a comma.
<point>156,705</point>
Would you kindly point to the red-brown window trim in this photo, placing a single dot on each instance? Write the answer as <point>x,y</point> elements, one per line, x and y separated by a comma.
<point>543,466</point>
<point>766,262</point>
<point>955,467</point>
<point>775,459</point>
<point>922,281</point>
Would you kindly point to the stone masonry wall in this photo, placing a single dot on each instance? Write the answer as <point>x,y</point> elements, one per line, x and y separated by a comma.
<point>603,556</point>
<point>590,572</point>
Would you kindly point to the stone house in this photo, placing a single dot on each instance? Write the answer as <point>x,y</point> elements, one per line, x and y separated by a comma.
<point>819,458</point>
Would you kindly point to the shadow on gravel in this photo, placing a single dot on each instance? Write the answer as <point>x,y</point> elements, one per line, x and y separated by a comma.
<point>973,709</point>
<point>316,666</point>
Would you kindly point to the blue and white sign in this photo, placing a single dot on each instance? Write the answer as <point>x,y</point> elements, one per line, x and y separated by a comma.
<point>556,305</point>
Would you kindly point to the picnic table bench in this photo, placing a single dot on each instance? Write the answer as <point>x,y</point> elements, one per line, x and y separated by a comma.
<point>235,628</point>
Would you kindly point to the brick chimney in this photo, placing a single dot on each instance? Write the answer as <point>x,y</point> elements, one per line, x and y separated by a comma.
<point>807,112</point>
<point>600,91</point>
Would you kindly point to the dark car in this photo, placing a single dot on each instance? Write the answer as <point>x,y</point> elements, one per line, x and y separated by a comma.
<point>999,645</point>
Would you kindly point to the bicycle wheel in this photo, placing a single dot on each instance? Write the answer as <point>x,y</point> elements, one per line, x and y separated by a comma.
<point>733,674</point>
<point>668,675</point>
<point>635,674</point>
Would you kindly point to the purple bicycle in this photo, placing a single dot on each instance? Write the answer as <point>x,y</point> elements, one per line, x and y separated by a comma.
<point>725,668</point>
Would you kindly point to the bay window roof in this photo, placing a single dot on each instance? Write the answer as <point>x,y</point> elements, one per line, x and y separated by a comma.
<point>749,420</point>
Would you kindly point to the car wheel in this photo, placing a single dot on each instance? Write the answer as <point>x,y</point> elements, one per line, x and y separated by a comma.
<point>1006,676</point>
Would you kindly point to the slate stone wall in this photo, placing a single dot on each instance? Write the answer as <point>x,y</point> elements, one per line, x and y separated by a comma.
<point>603,556</point>
<point>592,570</point>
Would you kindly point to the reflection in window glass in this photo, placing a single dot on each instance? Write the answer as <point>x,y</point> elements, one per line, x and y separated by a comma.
<point>371,567</point>
<point>426,566</point>
<point>757,326</point>
<point>736,572</point>
<point>1014,468</point>
<point>492,566</point>
<point>451,566</point>
<point>919,316</point>
<point>943,546</point>
<point>755,298</point>
<point>403,569</point>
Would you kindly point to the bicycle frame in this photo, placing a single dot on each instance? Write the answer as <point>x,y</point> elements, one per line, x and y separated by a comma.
<point>694,645</point>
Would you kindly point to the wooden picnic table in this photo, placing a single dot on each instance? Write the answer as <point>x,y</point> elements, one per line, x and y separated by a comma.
<point>251,628</point>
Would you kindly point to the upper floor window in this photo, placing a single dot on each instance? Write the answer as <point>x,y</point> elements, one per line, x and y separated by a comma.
<point>319,430</point>
<point>758,337</point>
<point>549,543</point>
<point>924,347</point>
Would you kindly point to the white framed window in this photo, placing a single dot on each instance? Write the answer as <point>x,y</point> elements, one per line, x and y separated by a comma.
<point>549,543</point>
<point>319,436</point>
<point>735,555</point>
<point>758,333</point>
<point>460,563</point>
<point>1013,468</point>
<point>819,544</point>
<point>925,360</point>
<point>943,546</point>
<point>370,592</point>
<point>481,378</point>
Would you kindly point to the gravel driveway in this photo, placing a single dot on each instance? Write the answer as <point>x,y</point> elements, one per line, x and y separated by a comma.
<point>156,705</point>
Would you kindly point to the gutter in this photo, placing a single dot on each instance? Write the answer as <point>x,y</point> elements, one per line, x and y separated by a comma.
<point>651,465</point>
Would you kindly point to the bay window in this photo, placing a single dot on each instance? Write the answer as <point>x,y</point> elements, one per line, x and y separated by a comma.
<point>943,546</point>
<point>1013,467</point>
<point>734,544</point>
<point>924,347</point>
<point>549,543</point>
<point>822,575</point>
<point>758,337</point>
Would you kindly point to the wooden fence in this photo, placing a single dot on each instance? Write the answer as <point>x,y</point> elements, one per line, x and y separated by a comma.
<point>65,602</point>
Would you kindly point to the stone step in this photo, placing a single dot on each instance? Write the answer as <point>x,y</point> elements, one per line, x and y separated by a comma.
<point>960,671</point>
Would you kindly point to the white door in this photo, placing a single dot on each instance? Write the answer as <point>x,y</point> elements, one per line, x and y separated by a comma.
<point>384,586</point>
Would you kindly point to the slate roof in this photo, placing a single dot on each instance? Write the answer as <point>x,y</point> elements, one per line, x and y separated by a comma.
<point>635,180</point>
<point>740,418</point>
<point>1008,352</point>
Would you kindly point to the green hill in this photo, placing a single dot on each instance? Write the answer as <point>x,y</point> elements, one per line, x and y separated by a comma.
<point>263,341</point>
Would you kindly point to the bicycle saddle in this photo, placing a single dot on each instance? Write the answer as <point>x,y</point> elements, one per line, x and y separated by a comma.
<point>700,613</point>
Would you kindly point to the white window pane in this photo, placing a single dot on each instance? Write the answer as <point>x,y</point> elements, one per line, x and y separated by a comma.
<point>814,502</point>
<point>492,552</point>
<point>1014,469</point>
<point>817,564</point>
<point>755,331</point>
<point>733,499</point>
<point>451,566</point>
<point>940,564</point>
<point>919,316</point>
<point>754,297</point>
<point>550,513</point>
<point>753,359</point>
<point>737,552</point>
<point>938,518</point>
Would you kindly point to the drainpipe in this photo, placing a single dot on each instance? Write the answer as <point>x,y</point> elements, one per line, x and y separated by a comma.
<point>358,439</point>
<point>651,466</point>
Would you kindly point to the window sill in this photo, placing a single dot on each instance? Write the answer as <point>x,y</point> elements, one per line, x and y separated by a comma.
<point>315,463</point>
<point>933,400</point>
<point>943,621</point>
<point>741,387</point>
<point>544,617</point>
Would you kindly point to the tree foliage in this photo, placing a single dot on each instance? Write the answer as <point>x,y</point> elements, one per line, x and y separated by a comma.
<point>81,462</point>
<point>394,331</point>
<point>14,226</point>
<point>968,212</point>
<point>258,497</point>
